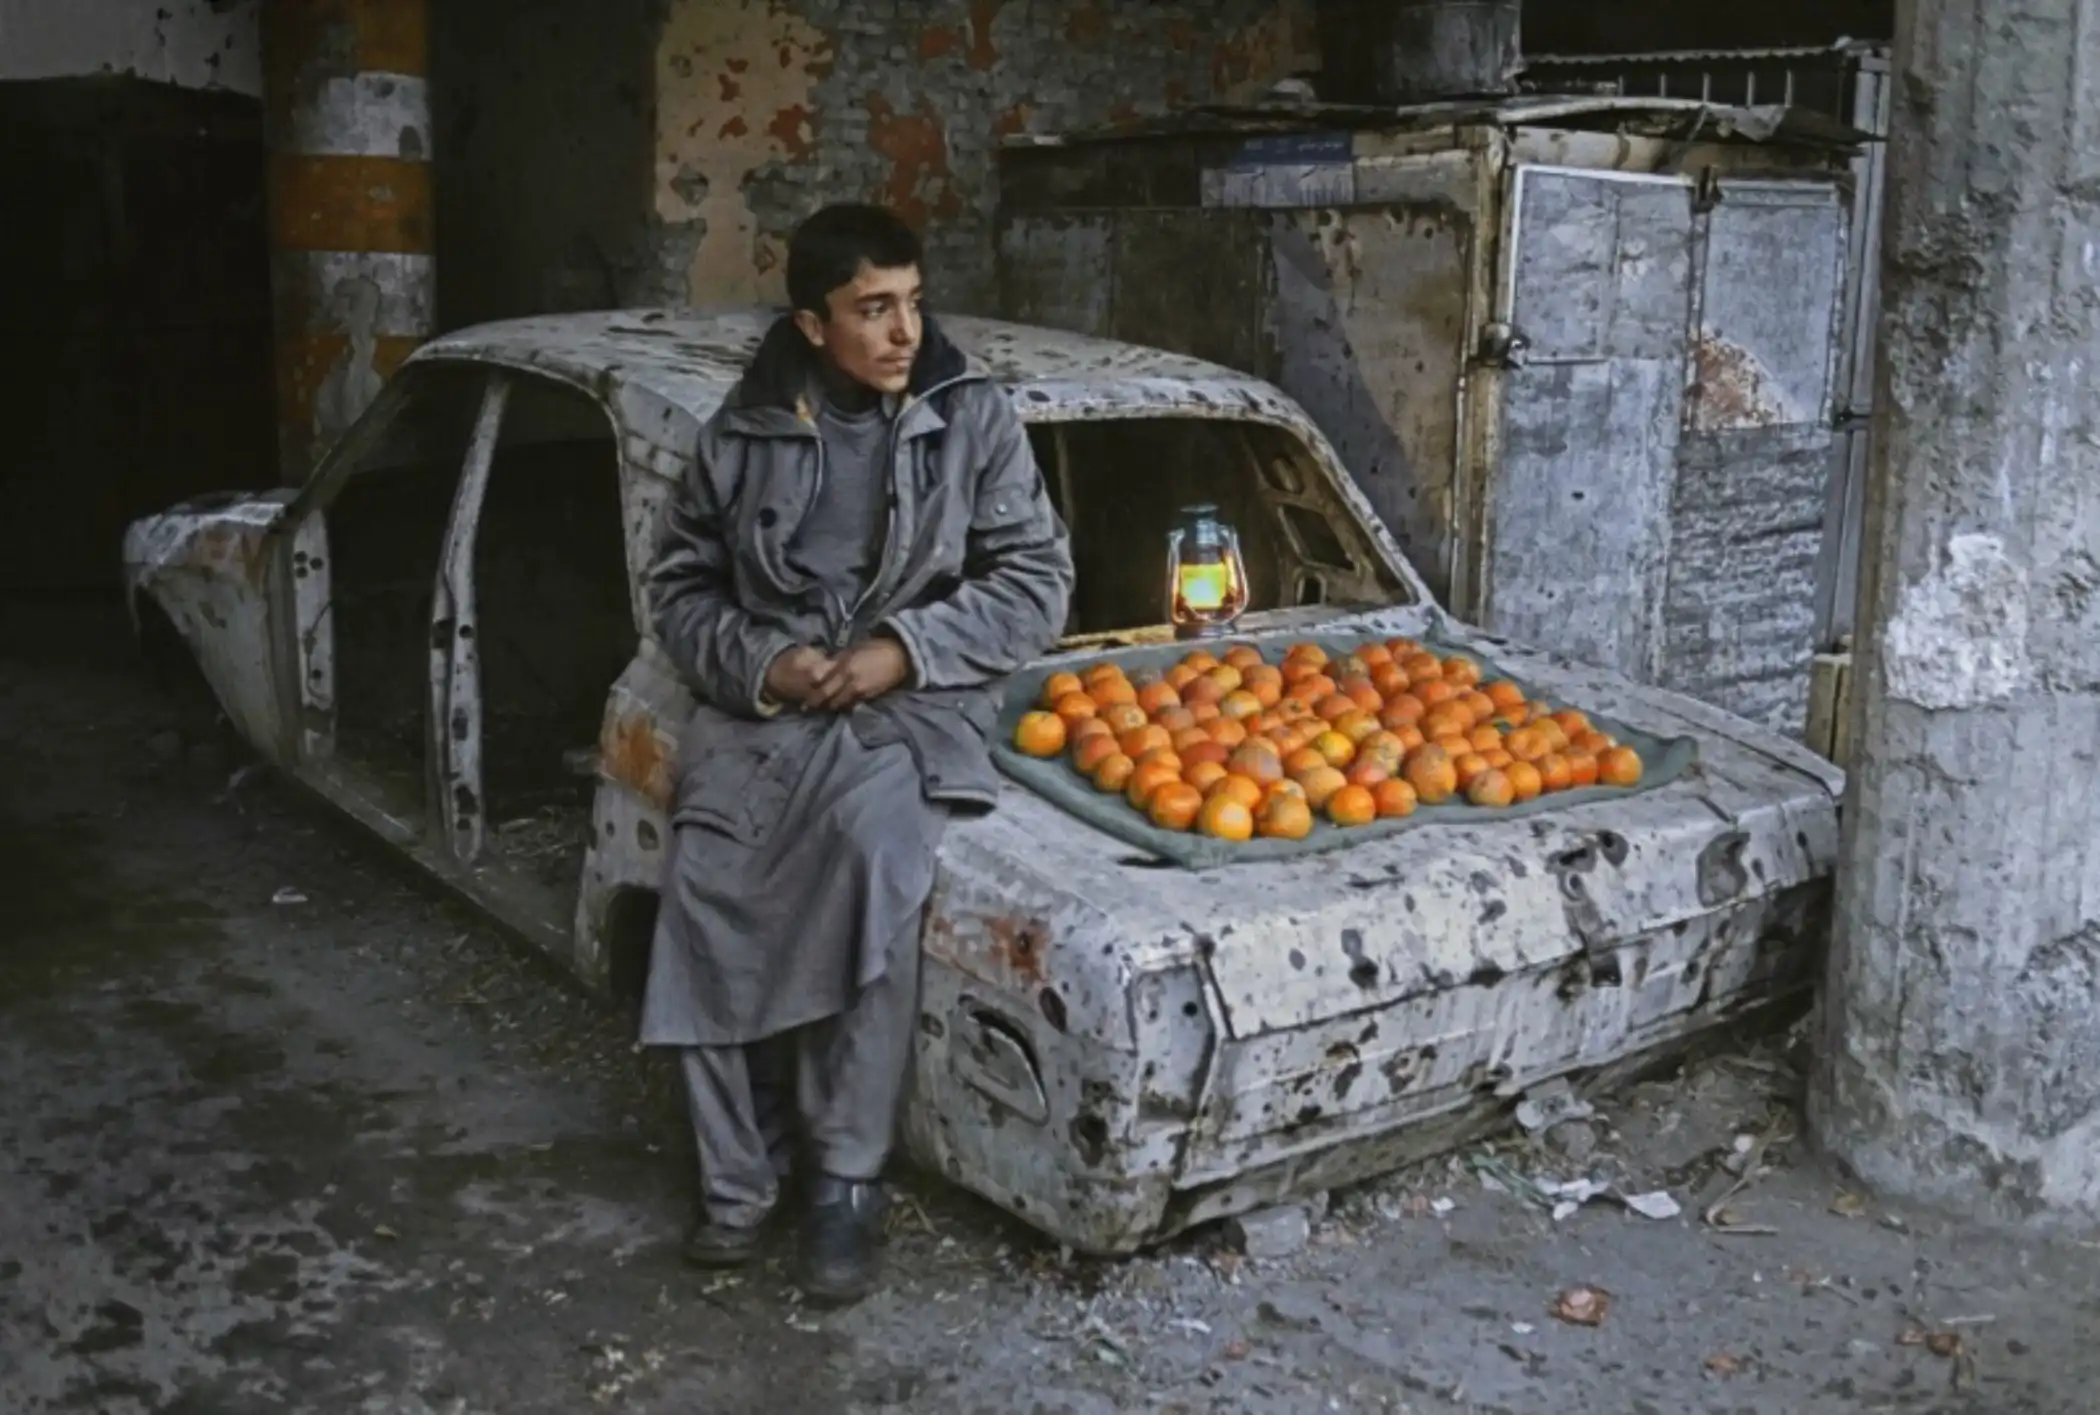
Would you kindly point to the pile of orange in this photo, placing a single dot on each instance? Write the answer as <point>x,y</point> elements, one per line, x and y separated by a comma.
<point>1233,746</point>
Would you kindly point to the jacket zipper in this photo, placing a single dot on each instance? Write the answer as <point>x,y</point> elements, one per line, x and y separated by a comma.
<point>889,520</point>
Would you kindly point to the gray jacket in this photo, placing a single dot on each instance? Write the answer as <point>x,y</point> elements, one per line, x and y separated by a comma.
<point>974,580</point>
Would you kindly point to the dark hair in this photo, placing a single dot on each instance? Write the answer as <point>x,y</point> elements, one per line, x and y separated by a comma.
<point>827,249</point>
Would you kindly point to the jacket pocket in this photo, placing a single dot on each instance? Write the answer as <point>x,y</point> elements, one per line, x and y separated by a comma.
<point>738,789</point>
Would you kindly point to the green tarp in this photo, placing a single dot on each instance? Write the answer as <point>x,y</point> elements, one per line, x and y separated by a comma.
<point>1663,760</point>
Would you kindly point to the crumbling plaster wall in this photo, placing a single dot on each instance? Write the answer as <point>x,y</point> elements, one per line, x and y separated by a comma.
<point>188,43</point>
<point>765,109</point>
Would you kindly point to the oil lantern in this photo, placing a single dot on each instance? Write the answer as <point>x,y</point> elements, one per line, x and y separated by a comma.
<point>1206,578</point>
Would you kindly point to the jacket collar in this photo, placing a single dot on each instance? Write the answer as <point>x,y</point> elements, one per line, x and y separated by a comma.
<point>774,398</point>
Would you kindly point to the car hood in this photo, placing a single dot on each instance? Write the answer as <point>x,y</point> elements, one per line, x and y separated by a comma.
<point>1287,943</point>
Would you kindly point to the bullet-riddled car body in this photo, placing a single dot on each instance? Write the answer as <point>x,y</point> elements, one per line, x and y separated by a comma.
<point>444,633</point>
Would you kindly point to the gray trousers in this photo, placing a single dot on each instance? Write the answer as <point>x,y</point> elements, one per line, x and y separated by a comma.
<point>842,1079</point>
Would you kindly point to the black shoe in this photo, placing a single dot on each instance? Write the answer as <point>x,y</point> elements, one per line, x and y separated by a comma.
<point>719,1245</point>
<point>839,1241</point>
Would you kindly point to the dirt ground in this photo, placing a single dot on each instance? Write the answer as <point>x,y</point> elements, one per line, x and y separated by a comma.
<point>284,1130</point>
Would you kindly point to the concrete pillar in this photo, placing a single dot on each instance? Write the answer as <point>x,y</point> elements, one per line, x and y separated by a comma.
<point>347,108</point>
<point>1959,1062</point>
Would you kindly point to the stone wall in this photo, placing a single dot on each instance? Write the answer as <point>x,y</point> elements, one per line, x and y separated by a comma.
<point>766,109</point>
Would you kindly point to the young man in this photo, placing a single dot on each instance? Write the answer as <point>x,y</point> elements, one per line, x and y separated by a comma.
<point>862,548</point>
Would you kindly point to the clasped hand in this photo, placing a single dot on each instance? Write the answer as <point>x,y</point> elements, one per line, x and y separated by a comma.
<point>820,683</point>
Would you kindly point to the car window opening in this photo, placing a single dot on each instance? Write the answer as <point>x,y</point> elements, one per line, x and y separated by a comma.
<point>1121,484</point>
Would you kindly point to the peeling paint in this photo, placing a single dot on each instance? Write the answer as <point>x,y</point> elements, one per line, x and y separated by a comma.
<point>769,60</point>
<point>916,144</point>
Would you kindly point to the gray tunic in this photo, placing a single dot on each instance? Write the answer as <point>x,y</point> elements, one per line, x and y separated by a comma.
<point>781,922</point>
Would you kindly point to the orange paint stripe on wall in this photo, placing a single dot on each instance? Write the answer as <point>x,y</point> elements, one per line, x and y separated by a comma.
<point>383,36</point>
<point>305,361</point>
<point>350,204</point>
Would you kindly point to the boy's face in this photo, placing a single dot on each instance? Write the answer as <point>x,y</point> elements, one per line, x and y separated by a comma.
<point>872,332</point>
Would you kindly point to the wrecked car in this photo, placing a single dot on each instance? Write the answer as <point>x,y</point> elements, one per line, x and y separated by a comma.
<point>443,633</point>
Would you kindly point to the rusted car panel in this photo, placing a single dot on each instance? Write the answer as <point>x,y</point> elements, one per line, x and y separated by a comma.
<point>1110,1049</point>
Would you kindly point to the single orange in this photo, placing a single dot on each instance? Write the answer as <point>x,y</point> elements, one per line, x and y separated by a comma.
<point>1165,756</point>
<point>1242,657</point>
<point>1089,752</point>
<point>1294,710</point>
<point>1337,749</point>
<point>1313,689</point>
<point>1243,789</point>
<point>1595,743</point>
<point>1176,718</point>
<point>1188,738</point>
<point>1075,707</point>
<point>1297,669</point>
<point>1572,722</point>
<point>1226,677</point>
<point>1619,766</point>
<point>1309,652</point>
<point>1226,730</point>
<point>1113,772</point>
<point>1402,650</point>
<point>1448,720</point>
<point>1428,769</point>
<point>1257,761</point>
<point>1402,709</point>
<point>1180,676</point>
<point>1040,734</point>
<point>1204,713</point>
<point>1484,739</point>
<point>1582,770</point>
<point>1422,668</point>
<point>1200,660</point>
<point>1203,775</point>
<point>1285,817</point>
<point>1498,758</point>
<point>1266,684</point>
<point>1109,691</point>
<point>1203,748</point>
<point>1140,740</point>
<point>1285,787</point>
<point>1525,781</point>
<point>1203,689</point>
<point>1410,737</point>
<point>1174,805</point>
<point>1367,771</point>
<point>1320,785</point>
<point>1148,778</point>
<point>1375,654</point>
<point>1057,685</point>
<point>1462,671</point>
<point>1388,679</point>
<point>1468,766</point>
<point>1436,692</point>
<point>1334,706</point>
<point>1302,760</point>
<point>1478,703</point>
<point>1363,693</point>
<point>1156,698</point>
<point>1225,818</point>
<point>1455,744</point>
<point>1527,744</point>
<point>1555,772</point>
<point>1352,805</point>
<point>1556,739</point>
<point>1504,694</point>
<point>1491,789</point>
<point>1124,717</point>
<point>1240,704</point>
<point>1394,798</point>
<point>1357,726</point>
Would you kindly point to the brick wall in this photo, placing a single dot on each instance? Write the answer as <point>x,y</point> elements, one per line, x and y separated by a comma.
<point>765,109</point>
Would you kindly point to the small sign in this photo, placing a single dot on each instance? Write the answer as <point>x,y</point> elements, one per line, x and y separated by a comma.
<point>1285,170</point>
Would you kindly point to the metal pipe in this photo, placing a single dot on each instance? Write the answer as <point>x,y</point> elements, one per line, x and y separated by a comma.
<point>353,273</point>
